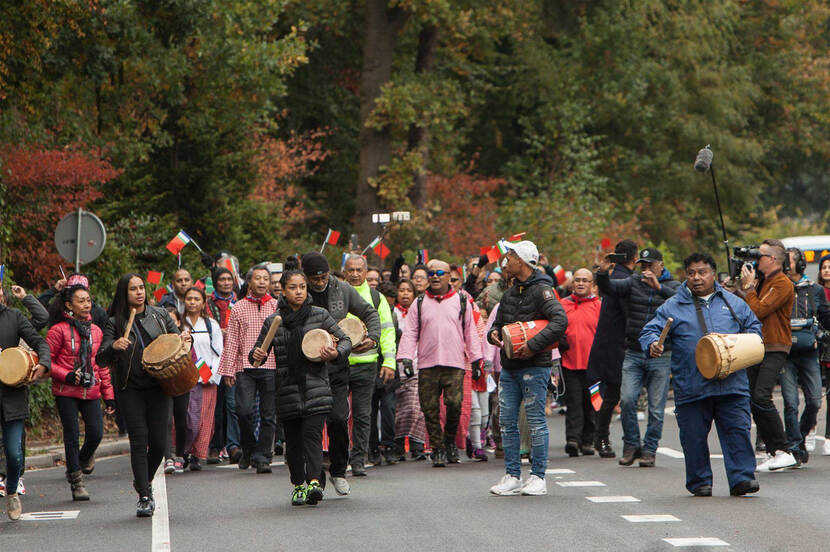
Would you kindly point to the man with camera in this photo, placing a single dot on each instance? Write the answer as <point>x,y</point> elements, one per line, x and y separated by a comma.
<point>642,293</point>
<point>802,366</point>
<point>771,300</point>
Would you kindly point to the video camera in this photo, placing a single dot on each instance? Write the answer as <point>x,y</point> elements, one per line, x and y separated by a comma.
<point>747,254</point>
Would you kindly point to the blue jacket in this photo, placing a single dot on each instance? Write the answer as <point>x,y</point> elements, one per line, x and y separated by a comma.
<point>684,334</point>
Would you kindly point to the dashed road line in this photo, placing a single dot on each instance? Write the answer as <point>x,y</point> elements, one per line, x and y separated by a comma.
<point>50,516</point>
<point>580,483</point>
<point>612,499</point>
<point>558,471</point>
<point>670,452</point>
<point>695,541</point>
<point>649,518</point>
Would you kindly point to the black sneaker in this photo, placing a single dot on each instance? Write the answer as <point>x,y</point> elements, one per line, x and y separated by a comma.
<point>279,447</point>
<point>587,449</point>
<point>213,457</point>
<point>314,493</point>
<point>703,490</point>
<point>145,507</point>
<point>452,454</point>
<point>391,456</point>
<point>244,462</point>
<point>572,448</point>
<point>374,457</point>
<point>195,465</point>
<point>439,458</point>
<point>604,449</point>
<point>263,467</point>
<point>745,487</point>
<point>358,470</point>
<point>629,455</point>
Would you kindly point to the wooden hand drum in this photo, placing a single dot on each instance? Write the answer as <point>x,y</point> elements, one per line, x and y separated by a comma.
<point>17,365</point>
<point>314,341</point>
<point>168,360</point>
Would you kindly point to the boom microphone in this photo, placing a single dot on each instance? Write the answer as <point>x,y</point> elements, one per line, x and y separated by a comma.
<point>704,159</point>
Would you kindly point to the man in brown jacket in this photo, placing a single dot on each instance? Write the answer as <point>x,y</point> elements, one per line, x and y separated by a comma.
<point>772,303</point>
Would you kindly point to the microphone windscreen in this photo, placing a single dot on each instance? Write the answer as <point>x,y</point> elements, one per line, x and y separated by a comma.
<point>704,160</point>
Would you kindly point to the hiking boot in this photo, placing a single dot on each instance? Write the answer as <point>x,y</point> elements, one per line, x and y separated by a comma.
<point>213,457</point>
<point>452,454</point>
<point>629,455</point>
<point>145,507</point>
<point>587,449</point>
<point>439,458</point>
<point>605,450</point>
<point>76,483</point>
<point>88,466</point>
<point>13,506</point>
<point>572,448</point>
<point>313,493</point>
<point>298,496</point>
<point>647,459</point>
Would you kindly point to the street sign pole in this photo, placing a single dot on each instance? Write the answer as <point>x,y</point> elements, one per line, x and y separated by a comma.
<point>78,240</point>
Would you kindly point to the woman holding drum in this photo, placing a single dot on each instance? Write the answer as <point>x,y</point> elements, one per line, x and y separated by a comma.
<point>133,325</point>
<point>304,396</point>
<point>78,382</point>
<point>14,396</point>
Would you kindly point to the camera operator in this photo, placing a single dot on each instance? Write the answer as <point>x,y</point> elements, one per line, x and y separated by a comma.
<point>802,366</point>
<point>772,301</point>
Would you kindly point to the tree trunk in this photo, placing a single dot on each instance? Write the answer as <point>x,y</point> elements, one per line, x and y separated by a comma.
<point>418,134</point>
<point>382,28</point>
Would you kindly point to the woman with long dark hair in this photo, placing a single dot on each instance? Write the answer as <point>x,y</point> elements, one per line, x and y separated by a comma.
<point>78,382</point>
<point>146,407</point>
<point>304,396</point>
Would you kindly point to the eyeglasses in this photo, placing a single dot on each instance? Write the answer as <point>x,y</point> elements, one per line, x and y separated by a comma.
<point>438,273</point>
<point>455,279</point>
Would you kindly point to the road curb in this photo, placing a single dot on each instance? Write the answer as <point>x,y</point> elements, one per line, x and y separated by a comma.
<point>56,456</point>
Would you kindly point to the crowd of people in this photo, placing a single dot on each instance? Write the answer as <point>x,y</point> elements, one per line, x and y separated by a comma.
<point>451,360</point>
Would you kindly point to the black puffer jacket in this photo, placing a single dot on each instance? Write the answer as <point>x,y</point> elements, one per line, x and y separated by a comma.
<point>641,299</point>
<point>532,299</point>
<point>14,401</point>
<point>292,402</point>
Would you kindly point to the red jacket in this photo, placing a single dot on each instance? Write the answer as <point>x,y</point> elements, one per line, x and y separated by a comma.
<point>583,315</point>
<point>63,362</point>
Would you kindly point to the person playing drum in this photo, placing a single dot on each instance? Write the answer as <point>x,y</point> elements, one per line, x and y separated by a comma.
<point>304,396</point>
<point>146,407</point>
<point>14,401</point>
<point>701,306</point>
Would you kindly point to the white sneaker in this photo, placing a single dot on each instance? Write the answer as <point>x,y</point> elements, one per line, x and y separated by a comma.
<point>825,451</point>
<point>535,486</point>
<point>763,466</point>
<point>169,466</point>
<point>508,486</point>
<point>781,459</point>
<point>810,441</point>
<point>2,486</point>
<point>341,485</point>
<point>21,490</point>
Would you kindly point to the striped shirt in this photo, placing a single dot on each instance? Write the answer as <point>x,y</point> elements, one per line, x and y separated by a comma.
<point>244,326</point>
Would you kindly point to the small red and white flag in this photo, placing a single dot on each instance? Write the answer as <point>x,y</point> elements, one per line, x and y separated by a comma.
<point>560,274</point>
<point>154,277</point>
<point>177,244</point>
<point>332,237</point>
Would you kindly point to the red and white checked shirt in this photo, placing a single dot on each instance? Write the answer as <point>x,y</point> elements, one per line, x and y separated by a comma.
<point>244,325</point>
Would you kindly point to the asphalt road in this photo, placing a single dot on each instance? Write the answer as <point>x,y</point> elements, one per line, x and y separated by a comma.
<point>413,506</point>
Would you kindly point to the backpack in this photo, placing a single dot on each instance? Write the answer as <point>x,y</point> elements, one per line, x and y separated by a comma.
<point>461,312</point>
<point>804,328</point>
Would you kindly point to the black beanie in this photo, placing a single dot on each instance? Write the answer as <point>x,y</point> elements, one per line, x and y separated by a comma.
<point>314,264</point>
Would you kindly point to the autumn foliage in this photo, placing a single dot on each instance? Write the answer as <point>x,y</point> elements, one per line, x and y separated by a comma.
<point>41,186</point>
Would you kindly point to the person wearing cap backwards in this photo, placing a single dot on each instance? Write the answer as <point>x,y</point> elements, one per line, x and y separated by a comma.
<point>340,299</point>
<point>442,335</point>
<point>644,293</point>
<point>525,377</point>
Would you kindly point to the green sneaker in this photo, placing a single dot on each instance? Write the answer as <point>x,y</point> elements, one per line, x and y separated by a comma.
<point>314,493</point>
<point>298,496</point>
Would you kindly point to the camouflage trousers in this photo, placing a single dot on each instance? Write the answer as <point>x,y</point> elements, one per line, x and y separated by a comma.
<point>432,384</point>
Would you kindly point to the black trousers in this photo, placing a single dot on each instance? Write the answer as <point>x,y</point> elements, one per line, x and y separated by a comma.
<point>179,419</point>
<point>248,384</point>
<point>147,413</point>
<point>610,399</point>
<point>762,380</point>
<point>304,448</point>
<point>580,418</point>
<point>383,403</point>
<point>337,423</point>
<point>90,411</point>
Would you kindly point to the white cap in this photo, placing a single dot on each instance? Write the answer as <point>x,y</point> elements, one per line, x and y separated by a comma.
<point>526,251</point>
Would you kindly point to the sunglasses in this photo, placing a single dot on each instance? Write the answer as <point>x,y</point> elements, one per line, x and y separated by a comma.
<point>438,273</point>
<point>455,279</point>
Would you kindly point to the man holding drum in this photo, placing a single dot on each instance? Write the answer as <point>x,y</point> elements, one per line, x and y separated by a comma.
<point>700,302</point>
<point>525,376</point>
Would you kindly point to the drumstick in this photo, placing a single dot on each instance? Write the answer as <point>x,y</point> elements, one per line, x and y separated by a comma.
<point>665,332</point>
<point>129,323</point>
<point>269,337</point>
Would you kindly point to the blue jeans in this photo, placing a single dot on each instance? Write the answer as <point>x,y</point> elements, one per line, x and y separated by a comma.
<point>800,369</point>
<point>640,370</point>
<point>732,418</point>
<point>528,386</point>
<point>13,445</point>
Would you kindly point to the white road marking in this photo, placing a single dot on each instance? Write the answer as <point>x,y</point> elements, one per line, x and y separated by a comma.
<point>50,516</point>
<point>606,499</point>
<point>695,541</point>
<point>580,483</point>
<point>557,471</point>
<point>161,521</point>
<point>670,452</point>
<point>642,518</point>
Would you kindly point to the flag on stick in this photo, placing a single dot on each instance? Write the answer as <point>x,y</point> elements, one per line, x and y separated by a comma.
<point>204,370</point>
<point>502,247</point>
<point>177,244</point>
<point>423,256</point>
<point>159,294</point>
<point>381,250</point>
<point>596,398</point>
<point>493,254</point>
<point>605,243</point>
<point>560,274</point>
<point>331,239</point>
<point>517,237</point>
<point>343,258</point>
<point>154,277</point>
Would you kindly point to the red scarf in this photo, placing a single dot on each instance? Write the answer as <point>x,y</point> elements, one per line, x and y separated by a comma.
<point>440,298</point>
<point>261,301</point>
<point>404,310</point>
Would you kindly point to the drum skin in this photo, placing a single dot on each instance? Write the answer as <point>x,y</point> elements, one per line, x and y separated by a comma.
<point>720,355</point>
<point>355,329</point>
<point>168,360</point>
<point>17,365</point>
<point>313,341</point>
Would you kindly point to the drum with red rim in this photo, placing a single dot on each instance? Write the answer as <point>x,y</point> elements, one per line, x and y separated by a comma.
<point>516,335</point>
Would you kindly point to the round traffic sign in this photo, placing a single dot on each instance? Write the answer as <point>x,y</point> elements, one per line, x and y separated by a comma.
<point>92,233</point>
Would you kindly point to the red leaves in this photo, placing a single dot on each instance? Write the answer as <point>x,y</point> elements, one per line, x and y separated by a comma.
<point>42,186</point>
